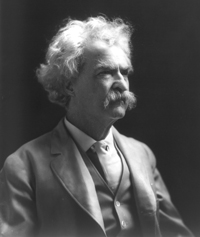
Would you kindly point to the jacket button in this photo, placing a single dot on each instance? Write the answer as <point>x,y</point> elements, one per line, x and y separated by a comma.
<point>124,225</point>
<point>117,204</point>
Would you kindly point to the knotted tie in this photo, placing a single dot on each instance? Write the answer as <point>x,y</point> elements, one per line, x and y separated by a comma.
<point>110,162</point>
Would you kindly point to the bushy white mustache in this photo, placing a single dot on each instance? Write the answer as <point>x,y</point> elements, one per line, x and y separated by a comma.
<point>127,97</point>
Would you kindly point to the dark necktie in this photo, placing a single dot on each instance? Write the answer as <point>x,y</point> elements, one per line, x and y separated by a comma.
<point>107,161</point>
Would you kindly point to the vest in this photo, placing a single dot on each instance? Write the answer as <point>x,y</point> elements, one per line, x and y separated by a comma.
<point>118,209</point>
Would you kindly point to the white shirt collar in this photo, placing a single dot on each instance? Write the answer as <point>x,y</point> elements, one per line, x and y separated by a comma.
<point>85,141</point>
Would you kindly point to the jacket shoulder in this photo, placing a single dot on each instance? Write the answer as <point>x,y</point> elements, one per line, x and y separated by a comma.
<point>139,147</point>
<point>35,153</point>
<point>32,147</point>
<point>23,158</point>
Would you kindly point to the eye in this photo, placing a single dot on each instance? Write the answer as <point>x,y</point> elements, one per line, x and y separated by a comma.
<point>125,72</point>
<point>105,72</point>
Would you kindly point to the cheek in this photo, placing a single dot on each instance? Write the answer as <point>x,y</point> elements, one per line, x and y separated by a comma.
<point>104,86</point>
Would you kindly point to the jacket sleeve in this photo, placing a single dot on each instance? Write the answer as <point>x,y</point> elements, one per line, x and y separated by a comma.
<point>17,204</point>
<point>170,222</point>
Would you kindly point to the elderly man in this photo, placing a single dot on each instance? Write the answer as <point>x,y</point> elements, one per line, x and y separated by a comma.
<point>85,179</point>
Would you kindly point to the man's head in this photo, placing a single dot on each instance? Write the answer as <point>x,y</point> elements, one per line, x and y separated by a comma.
<point>67,56</point>
<point>101,91</point>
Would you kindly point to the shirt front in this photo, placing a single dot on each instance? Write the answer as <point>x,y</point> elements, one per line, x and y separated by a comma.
<point>116,207</point>
<point>85,141</point>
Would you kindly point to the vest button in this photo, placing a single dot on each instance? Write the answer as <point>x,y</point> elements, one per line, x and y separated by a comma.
<point>124,225</point>
<point>106,147</point>
<point>117,204</point>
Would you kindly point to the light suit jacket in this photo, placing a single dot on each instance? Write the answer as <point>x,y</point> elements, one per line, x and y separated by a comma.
<point>46,190</point>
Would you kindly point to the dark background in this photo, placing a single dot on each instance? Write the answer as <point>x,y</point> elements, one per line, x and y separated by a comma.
<point>166,82</point>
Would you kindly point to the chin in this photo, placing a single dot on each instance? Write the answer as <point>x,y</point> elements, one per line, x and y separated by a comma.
<point>119,112</point>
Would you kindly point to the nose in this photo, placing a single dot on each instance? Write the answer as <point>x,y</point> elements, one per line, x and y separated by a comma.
<point>121,82</point>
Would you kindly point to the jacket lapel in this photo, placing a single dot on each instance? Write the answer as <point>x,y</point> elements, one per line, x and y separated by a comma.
<point>144,195</point>
<point>72,172</point>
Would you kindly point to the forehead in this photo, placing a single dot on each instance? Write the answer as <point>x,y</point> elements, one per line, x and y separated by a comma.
<point>99,54</point>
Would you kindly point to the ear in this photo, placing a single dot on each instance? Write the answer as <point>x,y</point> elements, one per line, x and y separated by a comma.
<point>69,88</point>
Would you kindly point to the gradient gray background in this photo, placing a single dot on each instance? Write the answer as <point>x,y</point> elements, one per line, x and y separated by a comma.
<point>166,82</point>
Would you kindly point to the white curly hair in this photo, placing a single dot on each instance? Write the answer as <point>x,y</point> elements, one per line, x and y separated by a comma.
<point>64,57</point>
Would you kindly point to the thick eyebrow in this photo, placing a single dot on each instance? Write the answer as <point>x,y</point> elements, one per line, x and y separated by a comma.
<point>111,66</point>
<point>129,69</point>
<point>105,65</point>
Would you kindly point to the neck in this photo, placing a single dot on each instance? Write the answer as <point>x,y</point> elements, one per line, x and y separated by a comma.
<point>95,128</point>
